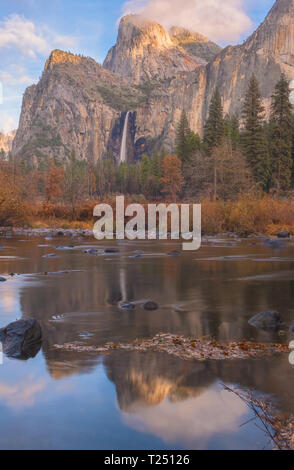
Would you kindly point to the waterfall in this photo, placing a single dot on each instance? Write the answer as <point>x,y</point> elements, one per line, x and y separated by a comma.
<point>123,149</point>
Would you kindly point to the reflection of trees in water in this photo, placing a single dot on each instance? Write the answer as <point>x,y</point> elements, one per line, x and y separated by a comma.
<point>211,299</point>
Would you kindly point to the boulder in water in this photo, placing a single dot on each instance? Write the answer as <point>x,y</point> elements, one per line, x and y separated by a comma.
<point>150,306</point>
<point>174,253</point>
<point>2,279</point>
<point>92,251</point>
<point>128,306</point>
<point>111,250</point>
<point>21,339</point>
<point>274,244</point>
<point>270,320</point>
<point>284,234</point>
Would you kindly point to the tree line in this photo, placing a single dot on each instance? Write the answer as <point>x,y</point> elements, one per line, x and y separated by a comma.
<point>237,154</point>
<point>241,153</point>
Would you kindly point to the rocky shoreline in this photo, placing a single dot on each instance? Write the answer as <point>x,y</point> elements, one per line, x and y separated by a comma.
<point>72,233</point>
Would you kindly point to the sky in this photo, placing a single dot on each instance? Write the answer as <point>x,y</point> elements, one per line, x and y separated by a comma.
<point>31,29</point>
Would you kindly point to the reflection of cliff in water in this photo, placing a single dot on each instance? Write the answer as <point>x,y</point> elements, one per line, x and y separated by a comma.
<point>147,379</point>
<point>196,298</point>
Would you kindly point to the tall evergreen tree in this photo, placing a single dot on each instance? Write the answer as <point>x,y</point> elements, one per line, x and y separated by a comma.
<point>214,127</point>
<point>232,130</point>
<point>182,138</point>
<point>281,135</point>
<point>254,141</point>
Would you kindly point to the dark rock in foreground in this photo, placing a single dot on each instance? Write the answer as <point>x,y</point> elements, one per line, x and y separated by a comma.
<point>2,279</point>
<point>270,320</point>
<point>111,250</point>
<point>21,339</point>
<point>284,234</point>
<point>150,306</point>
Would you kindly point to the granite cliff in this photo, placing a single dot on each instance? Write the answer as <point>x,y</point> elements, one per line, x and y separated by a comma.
<point>80,106</point>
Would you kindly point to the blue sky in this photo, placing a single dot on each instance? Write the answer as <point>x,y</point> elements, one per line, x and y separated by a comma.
<point>30,29</point>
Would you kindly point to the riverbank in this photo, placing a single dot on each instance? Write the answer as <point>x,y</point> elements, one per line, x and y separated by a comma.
<point>245,216</point>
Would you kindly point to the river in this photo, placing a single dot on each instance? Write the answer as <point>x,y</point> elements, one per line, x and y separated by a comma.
<point>123,400</point>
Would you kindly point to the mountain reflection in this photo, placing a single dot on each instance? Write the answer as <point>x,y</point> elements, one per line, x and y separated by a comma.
<point>199,294</point>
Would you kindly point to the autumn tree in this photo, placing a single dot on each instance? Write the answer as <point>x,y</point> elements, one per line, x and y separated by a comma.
<point>253,138</point>
<point>54,181</point>
<point>75,182</point>
<point>281,135</point>
<point>172,178</point>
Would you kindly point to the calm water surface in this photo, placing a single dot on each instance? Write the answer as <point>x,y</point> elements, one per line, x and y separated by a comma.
<point>62,400</point>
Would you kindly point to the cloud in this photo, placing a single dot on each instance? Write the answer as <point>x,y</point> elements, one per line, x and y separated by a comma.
<point>223,22</point>
<point>22,394</point>
<point>192,422</point>
<point>7,123</point>
<point>22,34</point>
<point>16,76</point>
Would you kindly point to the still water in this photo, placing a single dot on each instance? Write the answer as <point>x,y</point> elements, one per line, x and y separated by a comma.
<point>131,400</point>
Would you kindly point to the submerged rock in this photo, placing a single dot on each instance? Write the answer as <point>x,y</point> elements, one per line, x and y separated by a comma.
<point>21,339</point>
<point>92,251</point>
<point>284,234</point>
<point>174,253</point>
<point>274,244</point>
<point>128,306</point>
<point>2,279</point>
<point>111,250</point>
<point>270,320</point>
<point>64,248</point>
<point>150,305</point>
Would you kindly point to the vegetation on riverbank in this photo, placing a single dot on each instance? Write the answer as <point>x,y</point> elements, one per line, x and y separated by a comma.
<point>187,348</point>
<point>245,216</point>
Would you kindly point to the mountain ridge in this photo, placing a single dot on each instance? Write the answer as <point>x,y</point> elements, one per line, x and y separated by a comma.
<point>91,101</point>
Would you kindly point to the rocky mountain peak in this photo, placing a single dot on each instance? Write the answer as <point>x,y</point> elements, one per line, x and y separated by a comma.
<point>275,36</point>
<point>135,30</point>
<point>59,57</point>
<point>198,46</point>
<point>145,51</point>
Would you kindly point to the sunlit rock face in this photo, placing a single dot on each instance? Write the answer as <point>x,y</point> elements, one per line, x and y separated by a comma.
<point>6,141</point>
<point>145,51</point>
<point>79,106</point>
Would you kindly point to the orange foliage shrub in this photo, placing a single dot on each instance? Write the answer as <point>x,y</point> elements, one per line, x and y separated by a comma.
<point>13,209</point>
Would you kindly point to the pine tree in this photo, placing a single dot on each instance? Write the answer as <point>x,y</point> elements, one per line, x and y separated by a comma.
<point>254,141</point>
<point>232,130</point>
<point>281,135</point>
<point>145,171</point>
<point>182,138</point>
<point>214,127</point>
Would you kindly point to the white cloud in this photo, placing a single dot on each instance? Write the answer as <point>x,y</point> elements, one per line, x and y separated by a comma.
<point>16,76</point>
<point>192,422</point>
<point>7,123</point>
<point>222,21</point>
<point>20,33</point>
